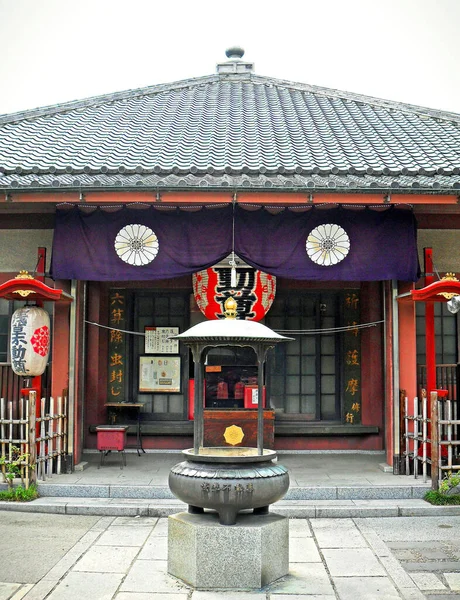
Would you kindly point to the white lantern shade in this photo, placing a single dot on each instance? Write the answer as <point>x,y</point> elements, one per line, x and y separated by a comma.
<point>30,341</point>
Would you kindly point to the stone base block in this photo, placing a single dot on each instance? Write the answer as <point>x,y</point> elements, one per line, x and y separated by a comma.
<point>246,556</point>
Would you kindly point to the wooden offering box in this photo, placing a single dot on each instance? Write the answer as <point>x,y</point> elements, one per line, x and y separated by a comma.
<point>216,422</point>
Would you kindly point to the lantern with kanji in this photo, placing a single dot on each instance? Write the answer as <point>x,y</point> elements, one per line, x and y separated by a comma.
<point>30,341</point>
<point>253,290</point>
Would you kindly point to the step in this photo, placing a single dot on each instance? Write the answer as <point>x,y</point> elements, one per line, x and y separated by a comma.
<point>294,509</point>
<point>357,492</point>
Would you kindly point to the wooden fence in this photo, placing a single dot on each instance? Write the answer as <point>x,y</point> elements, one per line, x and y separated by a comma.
<point>431,437</point>
<point>39,432</point>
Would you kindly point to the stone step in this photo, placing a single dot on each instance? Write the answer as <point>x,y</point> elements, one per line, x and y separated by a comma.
<point>294,509</point>
<point>358,492</point>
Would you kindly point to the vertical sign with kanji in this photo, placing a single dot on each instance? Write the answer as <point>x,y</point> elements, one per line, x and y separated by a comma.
<point>117,346</point>
<point>352,357</point>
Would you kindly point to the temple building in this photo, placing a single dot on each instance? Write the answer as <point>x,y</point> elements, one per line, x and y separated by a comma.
<point>314,208</point>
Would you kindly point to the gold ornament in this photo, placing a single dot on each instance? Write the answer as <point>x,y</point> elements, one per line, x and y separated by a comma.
<point>233,435</point>
<point>448,277</point>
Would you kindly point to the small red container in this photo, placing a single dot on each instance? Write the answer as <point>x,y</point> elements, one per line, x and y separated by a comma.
<point>111,437</point>
<point>251,396</point>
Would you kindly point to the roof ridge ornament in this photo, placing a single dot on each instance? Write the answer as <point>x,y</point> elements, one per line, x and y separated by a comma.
<point>235,64</point>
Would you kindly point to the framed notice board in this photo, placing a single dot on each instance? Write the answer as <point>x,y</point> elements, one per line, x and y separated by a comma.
<point>157,340</point>
<point>160,373</point>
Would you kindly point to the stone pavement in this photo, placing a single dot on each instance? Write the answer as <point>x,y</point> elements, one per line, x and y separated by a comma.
<point>125,558</point>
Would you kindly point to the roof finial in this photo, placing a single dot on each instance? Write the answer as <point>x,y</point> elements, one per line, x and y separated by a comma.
<point>234,53</point>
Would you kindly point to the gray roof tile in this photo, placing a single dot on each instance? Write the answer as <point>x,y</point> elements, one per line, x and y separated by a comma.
<point>232,131</point>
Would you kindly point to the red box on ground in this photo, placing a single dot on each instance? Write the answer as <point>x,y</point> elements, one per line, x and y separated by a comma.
<point>111,437</point>
<point>251,396</point>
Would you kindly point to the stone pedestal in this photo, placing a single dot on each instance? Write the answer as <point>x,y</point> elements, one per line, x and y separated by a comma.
<point>246,556</point>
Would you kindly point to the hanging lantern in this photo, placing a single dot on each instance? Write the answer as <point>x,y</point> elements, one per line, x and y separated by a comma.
<point>253,290</point>
<point>30,341</point>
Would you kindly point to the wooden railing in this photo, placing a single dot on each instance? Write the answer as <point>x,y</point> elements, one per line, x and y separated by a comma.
<point>42,438</point>
<point>431,437</point>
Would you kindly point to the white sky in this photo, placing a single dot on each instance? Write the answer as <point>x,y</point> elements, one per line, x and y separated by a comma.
<point>53,51</point>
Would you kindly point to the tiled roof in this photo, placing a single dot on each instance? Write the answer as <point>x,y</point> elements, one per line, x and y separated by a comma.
<point>231,131</point>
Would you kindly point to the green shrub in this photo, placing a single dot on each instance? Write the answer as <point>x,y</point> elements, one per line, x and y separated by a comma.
<point>19,494</point>
<point>444,496</point>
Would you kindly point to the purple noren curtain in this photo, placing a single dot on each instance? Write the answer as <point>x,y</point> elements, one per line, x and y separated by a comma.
<point>383,242</point>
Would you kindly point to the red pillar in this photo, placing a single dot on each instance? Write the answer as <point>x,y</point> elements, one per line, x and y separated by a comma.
<point>430,341</point>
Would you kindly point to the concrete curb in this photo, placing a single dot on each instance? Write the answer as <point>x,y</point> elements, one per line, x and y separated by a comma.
<point>294,510</point>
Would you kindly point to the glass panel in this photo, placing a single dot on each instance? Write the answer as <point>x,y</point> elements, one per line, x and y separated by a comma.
<point>328,407</point>
<point>308,365</point>
<point>328,365</point>
<point>327,344</point>
<point>176,404</point>
<point>292,404</point>
<point>4,306</point>
<point>308,406</point>
<point>292,365</point>
<point>308,385</point>
<point>309,345</point>
<point>293,347</point>
<point>293,384</point>
<point>450,349</point>
<point>177,305</point>
<point>145,306</point>
<point>277,385</point>
<point>327,322</point>
<point>293,323</point>
<point>328,384</point>
<point>161,306</point>
<point>278,403</point>
<point>276,322</point>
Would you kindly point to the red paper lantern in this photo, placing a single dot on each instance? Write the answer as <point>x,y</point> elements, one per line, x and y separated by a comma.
<point>254,292</point>
<point>30,341</point>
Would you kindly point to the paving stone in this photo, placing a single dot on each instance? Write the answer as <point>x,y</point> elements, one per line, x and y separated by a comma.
<point>365,588</point>
<point>299,528</point>
<point>124,536</point>
<point>337,533</point>
<point>150,596</point>
<point>435,554</point>
<point>303,550</point>
<point>7,589</point>
<point>107,559</point>
<point>352,562</point>
<point>405,554</point>
<point>439,567</point>
<point>298,597</point>
<point>413,594</point>
<point>134,522</point>
<point>22,591</point>
<point>41,590</point>
<point>303,578</point>
<point>379,547</point>
<point>399,576</point>
<point>442,596</point>
<point>453,580</point>
<point>161,527</point>
<point>151,576</point>
<point>427,581</point>
<point>154,549</point>
<point>203,595</point>
<point>97,586</point>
